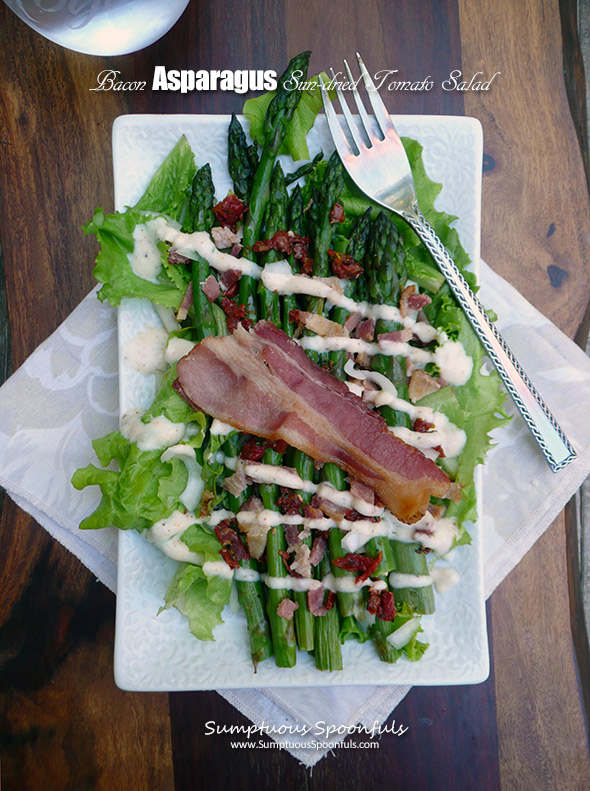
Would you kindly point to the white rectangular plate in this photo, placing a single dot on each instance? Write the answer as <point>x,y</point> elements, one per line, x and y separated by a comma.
<point>157,652</point>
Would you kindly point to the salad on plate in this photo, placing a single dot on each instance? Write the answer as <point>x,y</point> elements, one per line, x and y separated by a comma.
<point>322,401</point>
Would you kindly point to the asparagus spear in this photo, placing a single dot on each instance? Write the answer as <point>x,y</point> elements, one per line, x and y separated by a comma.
<point>304,620</point>
<point>200,217</point>
<point>328,651</point>
<point>275,220</point>
<point>278,116</point>
<point>295,221</point>
<point>242,159</point>
<point>282,629</point>
<point>385,268</point>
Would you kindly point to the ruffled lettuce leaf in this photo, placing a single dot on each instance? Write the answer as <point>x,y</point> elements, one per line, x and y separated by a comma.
<point>350,629</point>
<point>143,489</point>
<point>199,598</point>
<point>166,195</point>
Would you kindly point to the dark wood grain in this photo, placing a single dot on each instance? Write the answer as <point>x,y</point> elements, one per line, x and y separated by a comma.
<point>63,723</point>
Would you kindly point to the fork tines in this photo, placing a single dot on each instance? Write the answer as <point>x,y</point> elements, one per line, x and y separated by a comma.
<point>382,122</point>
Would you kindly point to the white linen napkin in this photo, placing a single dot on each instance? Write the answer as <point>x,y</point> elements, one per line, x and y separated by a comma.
<point>66,394</point>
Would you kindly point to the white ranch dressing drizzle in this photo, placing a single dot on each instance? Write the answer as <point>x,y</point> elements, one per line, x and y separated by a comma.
<point>191,496</point>
<point>200,242</point>
<point>145,352</point>
<point>146,258</point>
<point>166,535</point>
<point>218,568</point>
<point>398,579</point>
<point>219,428</point>
<point>346,584</point>
<point>444,578</point>
<point>451,438</point>
<point>158,434</point>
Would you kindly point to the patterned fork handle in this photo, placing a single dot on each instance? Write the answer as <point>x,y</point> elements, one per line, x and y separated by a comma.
<point>552,441</point>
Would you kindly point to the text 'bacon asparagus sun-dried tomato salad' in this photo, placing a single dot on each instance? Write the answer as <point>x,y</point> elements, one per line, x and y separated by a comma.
<point>322,404</point>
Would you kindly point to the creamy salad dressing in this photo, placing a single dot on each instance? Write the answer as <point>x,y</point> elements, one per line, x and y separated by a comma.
<point>146,258</point>
<point>346,584</point>
<point>176,349</point>
<point>146,351</point>
<point>166,535</point>
<point>399,580</point>
<point>158,434</point>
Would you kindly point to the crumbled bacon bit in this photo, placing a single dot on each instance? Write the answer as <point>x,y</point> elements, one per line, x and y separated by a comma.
<point>362,491</point>
<point>315,601</point>
<point>174,257</point>
<point>337,213</point>
<point>352,321</point>
<point>344,266</point>
<point>229,281</point>
<point>362,563</point>
<point>418,301</point>
<point>312,512</point>
<point>440,451</point>
<point>292,535</point>
<point>286,608</point>
<point>318,550</point>
<point>210,288</point>
<point>235,315</point>
<point>187,301</point>
<point>421,384</point>
<point>224,237</point>
<point>289,502</point>
<point>422,426</point>
<point>397,336</point>
<point>230,210</point>
<point>316,323</point>
<point>381,604</point>
<point>365,329</point>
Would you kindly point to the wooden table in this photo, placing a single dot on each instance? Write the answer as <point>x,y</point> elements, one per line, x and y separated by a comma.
<point>63,723</point>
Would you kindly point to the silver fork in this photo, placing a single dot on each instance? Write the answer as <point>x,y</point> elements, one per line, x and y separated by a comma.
<point>380,168</point>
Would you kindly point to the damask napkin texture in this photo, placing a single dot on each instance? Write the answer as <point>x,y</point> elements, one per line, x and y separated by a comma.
<point>67,393</point>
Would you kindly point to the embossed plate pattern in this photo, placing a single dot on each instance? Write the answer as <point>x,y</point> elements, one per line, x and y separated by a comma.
<point>157,652</point>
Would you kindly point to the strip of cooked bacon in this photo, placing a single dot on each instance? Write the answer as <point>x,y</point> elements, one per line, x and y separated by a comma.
<point>230,210</point>
<point>261,382</point>
<point>286,608</point>
<point>381,604</point>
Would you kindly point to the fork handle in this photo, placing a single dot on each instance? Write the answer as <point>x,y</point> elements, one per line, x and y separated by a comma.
<point>555,445</point>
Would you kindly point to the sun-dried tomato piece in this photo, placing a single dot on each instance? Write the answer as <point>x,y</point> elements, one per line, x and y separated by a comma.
<point>381,604</point>
<point>362,563</point>
<point>337,213</point>
<point>344,266</point>
<point>254,448</point>
<point>281,242</point>
<point>233,547</point>
<point>289,502</point>
<point>229,211</point>
<point>300,246</point>
<point>422,426</point>
<point>440,451</point>
<point>235,314</point>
